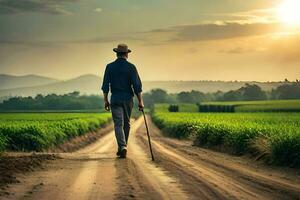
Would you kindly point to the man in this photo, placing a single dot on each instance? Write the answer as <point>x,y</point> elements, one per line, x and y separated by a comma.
<point>123,80</point>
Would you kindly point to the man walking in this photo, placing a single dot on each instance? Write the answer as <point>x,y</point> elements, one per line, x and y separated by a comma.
<point>123,80</point>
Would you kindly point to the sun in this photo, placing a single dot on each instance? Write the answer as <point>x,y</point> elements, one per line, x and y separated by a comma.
<point>289,12</point>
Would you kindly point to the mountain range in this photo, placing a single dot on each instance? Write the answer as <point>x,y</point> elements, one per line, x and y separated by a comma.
<point>31,85</point>
<point>11,82</point>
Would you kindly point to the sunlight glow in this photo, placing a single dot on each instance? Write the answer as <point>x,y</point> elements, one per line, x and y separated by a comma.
<point>289,12</point>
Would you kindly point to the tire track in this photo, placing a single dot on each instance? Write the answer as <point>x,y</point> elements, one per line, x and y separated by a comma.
<point>166,186</point>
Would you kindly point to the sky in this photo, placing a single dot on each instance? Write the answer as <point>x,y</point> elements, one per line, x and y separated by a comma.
<point>170,40</point>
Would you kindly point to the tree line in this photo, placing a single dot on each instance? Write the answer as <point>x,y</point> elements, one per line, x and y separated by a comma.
<point>75,101</point>
<point>71,101</point>
<point>249,92</point>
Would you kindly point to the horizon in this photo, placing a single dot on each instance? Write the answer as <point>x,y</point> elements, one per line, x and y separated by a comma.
<point>171,80</point>
<point>224,40</point>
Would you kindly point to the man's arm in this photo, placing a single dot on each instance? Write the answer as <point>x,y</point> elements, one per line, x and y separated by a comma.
<point>105,88</point>
<point>137,87</point>
<point>141,102</point>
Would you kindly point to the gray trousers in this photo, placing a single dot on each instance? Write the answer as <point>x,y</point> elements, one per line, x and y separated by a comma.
<point>121,113</point>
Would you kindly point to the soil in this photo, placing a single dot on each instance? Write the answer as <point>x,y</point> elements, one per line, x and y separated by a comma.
<point>12,164</point>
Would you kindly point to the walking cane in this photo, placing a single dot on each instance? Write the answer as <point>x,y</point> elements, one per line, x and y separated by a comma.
<point>148,134</point>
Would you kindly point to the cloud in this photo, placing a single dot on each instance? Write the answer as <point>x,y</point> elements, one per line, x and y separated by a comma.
<point>107,39</point>
<point>254,48</point>
<point>97,40</point>
<point>99,10</point>
<point>55,7</point>
<point>282,49</point>
<point>258,15</point>
<point>192,50</point>
<point>285,49</point>
<point>184,33</point>
<point>217,31</point>
<point>29,43</point>
<point>250,16</point>
<point>237,50</point>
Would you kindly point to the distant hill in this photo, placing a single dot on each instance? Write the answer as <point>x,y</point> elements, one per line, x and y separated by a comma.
<point>91,84</point>
<point>86,84</point>
<point>10,82</point>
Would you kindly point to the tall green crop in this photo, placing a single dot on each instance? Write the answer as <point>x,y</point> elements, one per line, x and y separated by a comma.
<point>238,131</point>
<point>41,131</point>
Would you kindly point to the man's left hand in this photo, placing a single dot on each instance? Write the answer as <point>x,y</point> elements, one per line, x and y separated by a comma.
<point>141,106</point>
<point>107,106</point>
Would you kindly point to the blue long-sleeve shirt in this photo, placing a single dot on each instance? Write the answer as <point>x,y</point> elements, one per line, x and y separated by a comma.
<point>122,78</point>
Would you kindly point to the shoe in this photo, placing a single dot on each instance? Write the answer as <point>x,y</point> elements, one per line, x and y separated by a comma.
<point>118,153</point>
<point>123,153</point>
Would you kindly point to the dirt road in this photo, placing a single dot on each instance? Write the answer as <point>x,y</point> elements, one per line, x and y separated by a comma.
<point>181,171</point>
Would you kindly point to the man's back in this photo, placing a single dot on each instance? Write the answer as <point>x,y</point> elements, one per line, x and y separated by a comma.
<point>123,79</point>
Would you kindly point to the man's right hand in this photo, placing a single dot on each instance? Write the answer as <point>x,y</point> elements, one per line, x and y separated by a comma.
<point>107,106</point>
<point>141,106</point>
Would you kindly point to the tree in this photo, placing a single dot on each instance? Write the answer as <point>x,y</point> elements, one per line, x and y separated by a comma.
<point>74,94</point>
<point>232,95</point>
<point>191,97</point>
<point>156,96</point>
<point>245,93</point>
<point>71,101</point>
<point>287,91</point>
<point>252,92</point>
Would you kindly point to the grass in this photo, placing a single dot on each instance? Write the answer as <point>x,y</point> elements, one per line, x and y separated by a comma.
<point>238,131</point>
<point>36,131</point>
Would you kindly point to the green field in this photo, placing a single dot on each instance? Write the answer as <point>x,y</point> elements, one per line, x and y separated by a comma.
<point>236,106</point>
<point>260,106</point>
<point>39,131</point>
<point>276,135</point>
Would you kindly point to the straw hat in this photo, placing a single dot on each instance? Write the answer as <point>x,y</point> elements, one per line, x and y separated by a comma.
<point>122,48</point>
